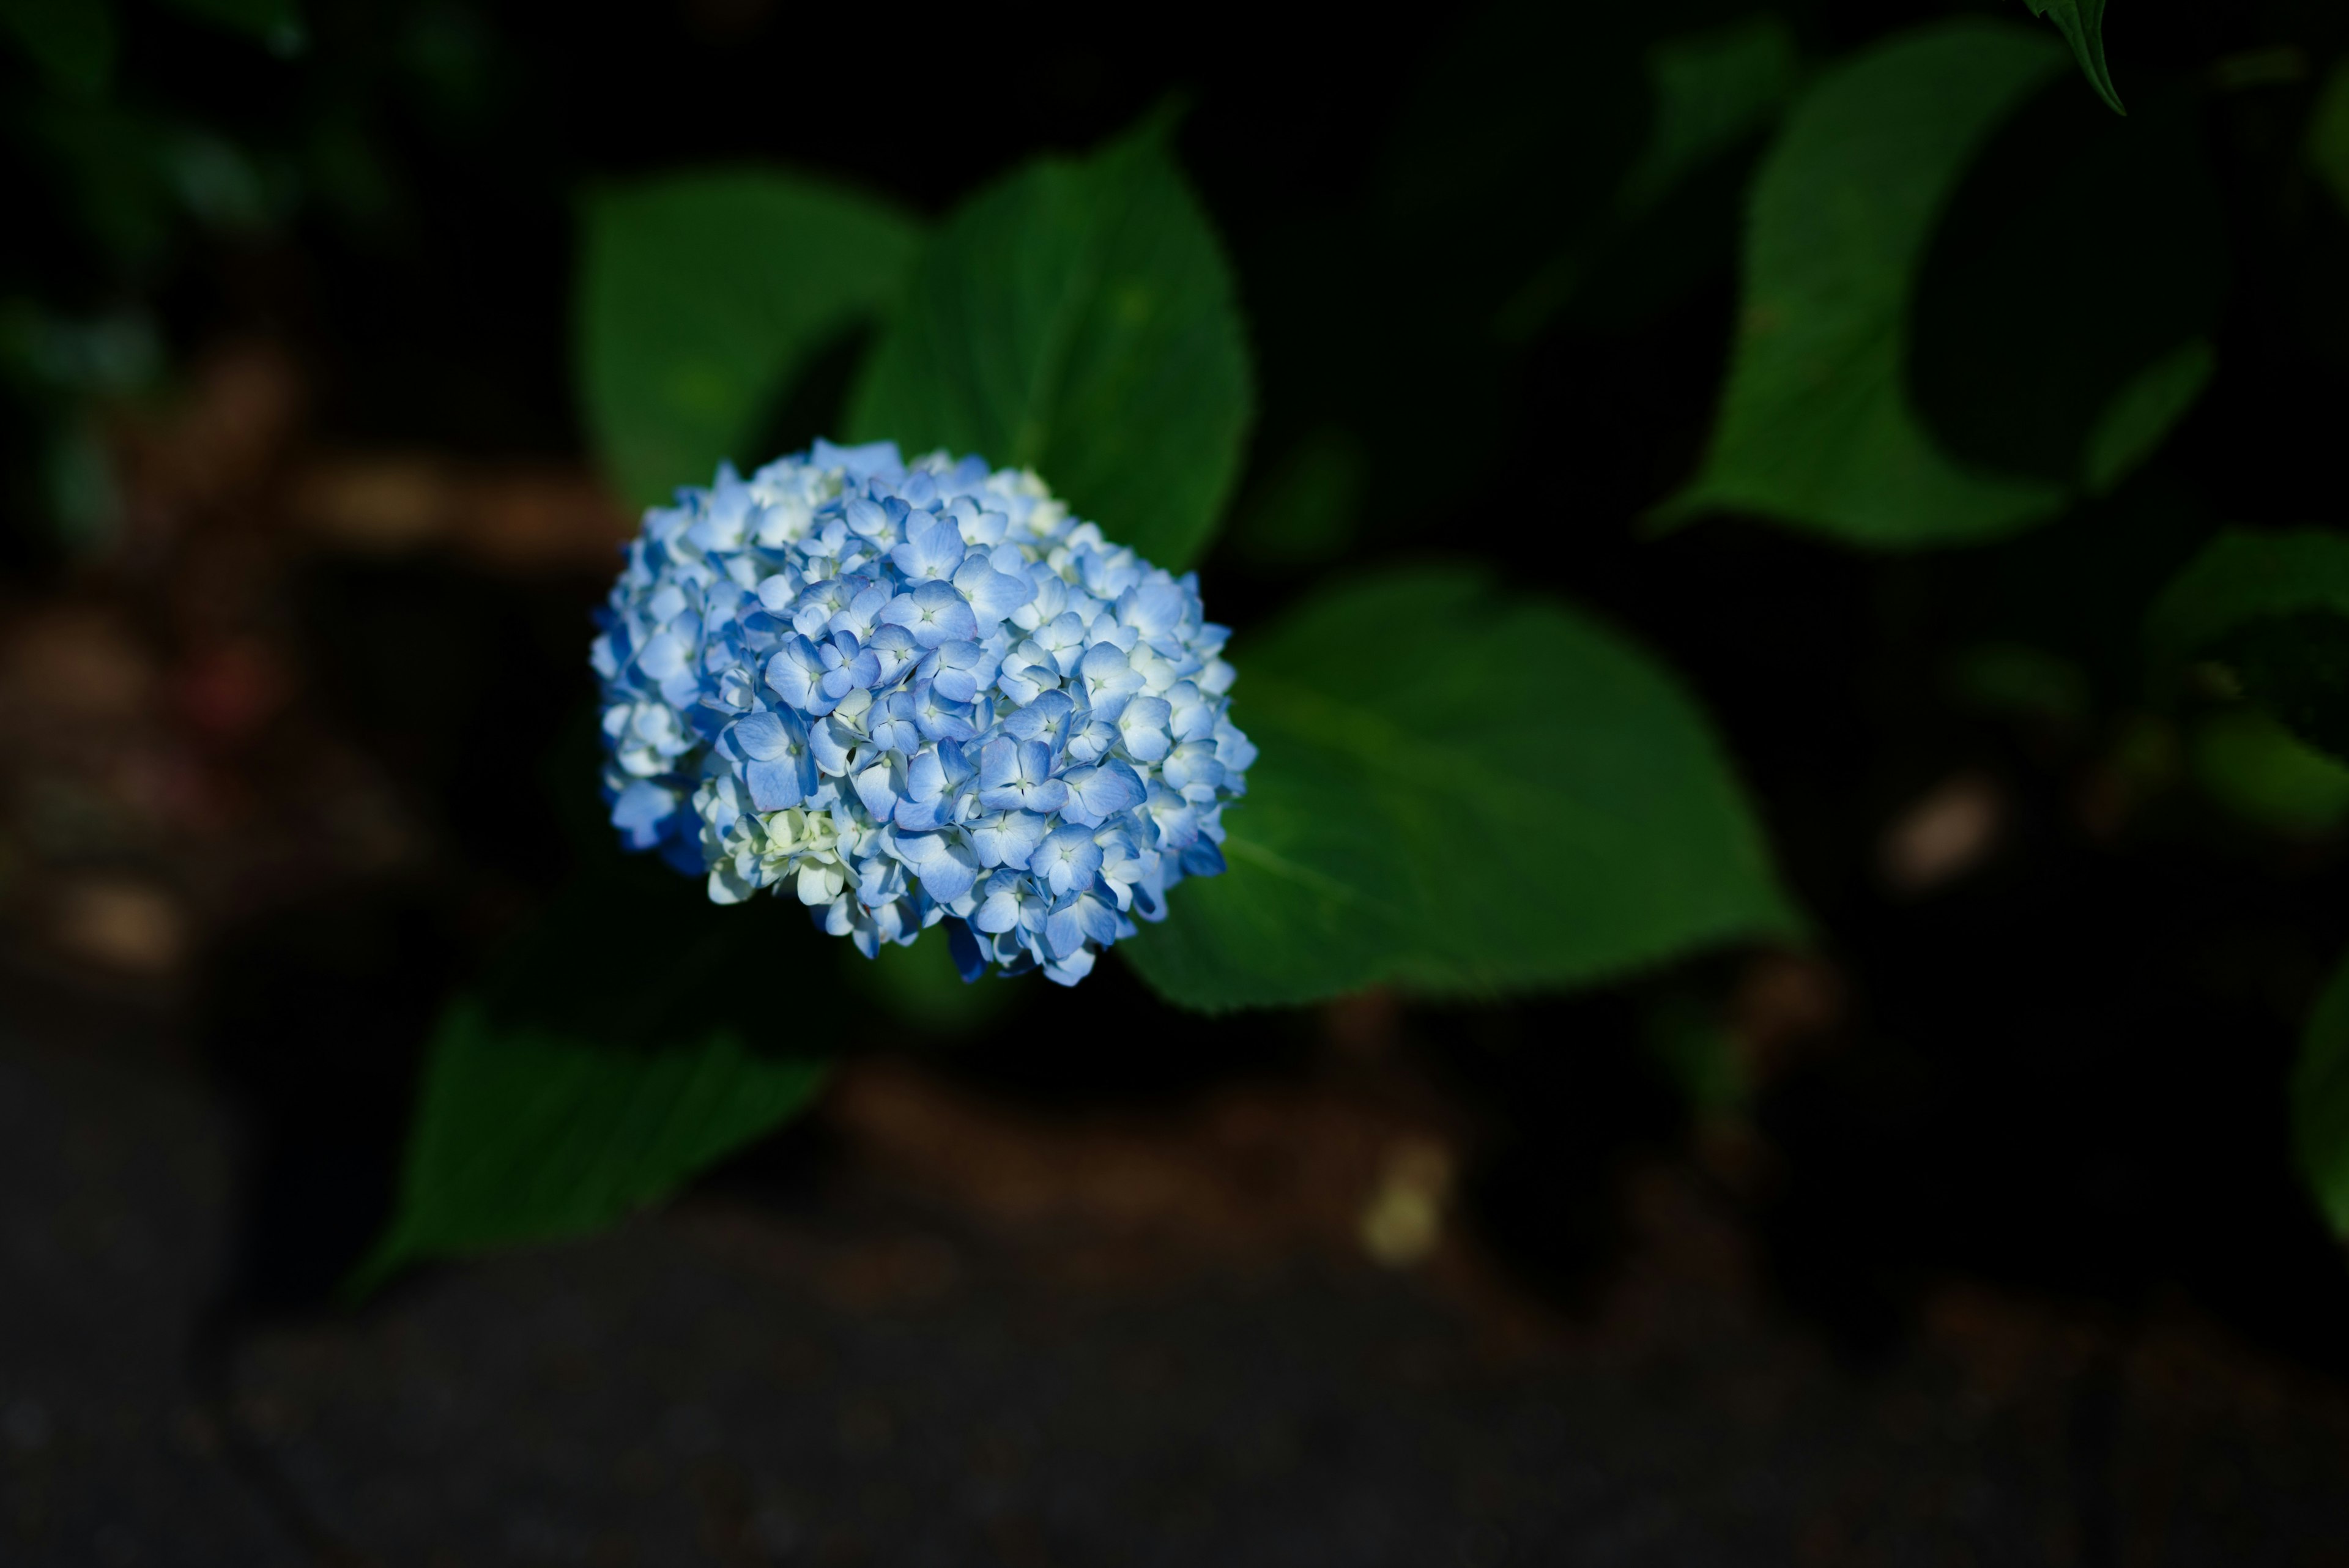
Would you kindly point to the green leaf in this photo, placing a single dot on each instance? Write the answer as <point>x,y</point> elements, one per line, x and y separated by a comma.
<point>2320,1101</point>
<point>702,296</point>
<point>633,1035</point>
<point>2274,608</point>
<point>277,23</point>
<point>2262,774</point>
<point>1460,792</point>
<point>1077,318</point>
<point>2328,133</point>
<point>2133,424</point>
<point>530,1135</point>
<point>2082,22</point>
<point>1815,427</point>
<point>72,40</point>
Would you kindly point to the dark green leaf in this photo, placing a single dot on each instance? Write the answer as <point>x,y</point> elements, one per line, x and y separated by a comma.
<point>702,296</point>
<point>1077,318</point>
<point>1815,428</point>
<point>632,1036</point>
<point>72,40</point>
<point>1462,793</point>
<point>2320,1101</point>
<point>2260,773</point>
<point>275,23</point>
<point>2082,22</point>
<point>2275,608</point>
<point>525,1134</point>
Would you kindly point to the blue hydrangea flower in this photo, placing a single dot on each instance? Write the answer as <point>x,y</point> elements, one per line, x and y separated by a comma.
<point>916,693</point>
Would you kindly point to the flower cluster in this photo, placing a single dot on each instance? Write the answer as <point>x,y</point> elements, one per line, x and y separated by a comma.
<point>911,693</point>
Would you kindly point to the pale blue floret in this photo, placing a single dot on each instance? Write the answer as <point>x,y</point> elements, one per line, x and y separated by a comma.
<point>910,694</point>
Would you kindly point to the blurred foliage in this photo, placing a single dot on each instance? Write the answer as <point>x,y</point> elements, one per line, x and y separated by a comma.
<point>1077,318</point>
<point>702,297</point>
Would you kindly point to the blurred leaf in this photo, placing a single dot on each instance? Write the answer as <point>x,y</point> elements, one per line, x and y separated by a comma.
<point>1689,1040</point>
<point>112,163</point>
<point>1460,793</point>
<point>1711,92</point>
<point>2073,383</point>
<point>1077,318</point>
<point>72,40</point>
<point>2016,680</point>
<point>2259,771</point>
<point>1305,511</point>
<point>2320,1101</point>
<point>525,1134</point>
<point>2082,22</point>
<point>633,1035</point>
<point>2275,607</point>
<point>274,23</point>
<point>702,296</point>
<point>2143,412</point>
<point>2328,133</point>
<point>1815,429</point>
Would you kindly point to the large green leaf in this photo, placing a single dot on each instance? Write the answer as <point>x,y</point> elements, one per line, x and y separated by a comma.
<point>631,1037</point>
<point>1077,318</point>
<point>72,40</point>
<point>2320,1101</point>
<point>702,296</point>
<point>2082,22</point>
<point>1461,792</point>
<point>1815,427</point>
<point>2274,608</point>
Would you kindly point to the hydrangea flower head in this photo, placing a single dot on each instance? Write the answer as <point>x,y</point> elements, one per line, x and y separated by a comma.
<point>917,693</point>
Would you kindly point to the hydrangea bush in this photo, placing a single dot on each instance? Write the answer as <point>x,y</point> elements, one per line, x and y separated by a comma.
<point>916,693</point>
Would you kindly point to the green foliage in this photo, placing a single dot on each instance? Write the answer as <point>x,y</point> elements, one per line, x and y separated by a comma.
<point>1079,318</point>
<point>2082,22</point>
<point>1909,369</point>
<point>617,1048</point>
<point>1510,797</point>
<point>1815,427</point>
<point>2133,424</point>
<point>2015,680</point>
<point>71,40</point>
<point>2320,1101</point>
<point>2260,772</point>
<point>525,1134</point>
<point>2275,608</point>
<point>701,297</point>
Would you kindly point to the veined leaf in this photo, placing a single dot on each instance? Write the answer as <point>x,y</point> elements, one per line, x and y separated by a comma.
<point>703,296</point>
<point>1077,318</point>
<point>1460,792</point>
